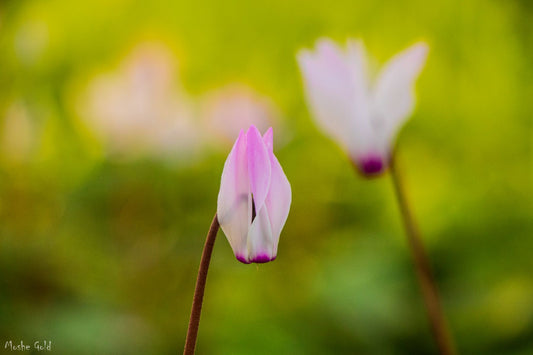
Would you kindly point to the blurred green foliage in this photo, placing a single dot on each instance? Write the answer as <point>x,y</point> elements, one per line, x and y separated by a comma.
<point>99,255</point>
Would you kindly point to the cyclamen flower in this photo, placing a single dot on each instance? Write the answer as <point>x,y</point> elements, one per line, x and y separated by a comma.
<point>254,198</point>
<point>362,114</point>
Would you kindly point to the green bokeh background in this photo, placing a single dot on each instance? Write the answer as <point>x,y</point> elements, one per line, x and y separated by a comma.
<point>100,255</point>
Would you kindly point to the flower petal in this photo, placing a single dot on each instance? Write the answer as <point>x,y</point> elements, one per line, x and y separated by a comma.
<point>337,92</point>
<point>363,141</point>
<point>393,99</point>
<point>233,202</point>
<point>258,167</point>
<point>278,201</point>
<point>260,240</point>
<point>268,139</point>
<point>357,59</point>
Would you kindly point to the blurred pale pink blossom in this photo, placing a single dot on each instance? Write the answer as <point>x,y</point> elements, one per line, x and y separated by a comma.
<point>234,107</point>
<point>140,108</point>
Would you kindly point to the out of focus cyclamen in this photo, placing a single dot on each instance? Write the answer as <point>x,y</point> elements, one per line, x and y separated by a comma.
<point>254,198</point>
<point>361,114</point>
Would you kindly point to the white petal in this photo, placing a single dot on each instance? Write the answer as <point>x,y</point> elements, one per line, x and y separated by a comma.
<point>233,197</point>
<point>363,141</point>
<point>357,59</point>
<point>258,166</point>
<point>268,139</point>
<point>278,202</point>
<point>393,96</point>
<point>337,92</point>
<point>260,240</point>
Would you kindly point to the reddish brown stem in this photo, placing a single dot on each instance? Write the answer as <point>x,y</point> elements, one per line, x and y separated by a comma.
<point>194,321</point>
<point>423,270</point>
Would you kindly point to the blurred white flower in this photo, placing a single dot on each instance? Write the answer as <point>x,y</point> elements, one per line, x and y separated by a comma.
<point>139,109</point>
<point>363,114</point>
<point>235,107</point>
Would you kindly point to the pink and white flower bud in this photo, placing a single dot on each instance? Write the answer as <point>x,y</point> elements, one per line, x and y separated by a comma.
<point>254,198</point>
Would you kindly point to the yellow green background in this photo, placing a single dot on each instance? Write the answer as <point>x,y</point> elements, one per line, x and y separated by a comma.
<point>99,255</point>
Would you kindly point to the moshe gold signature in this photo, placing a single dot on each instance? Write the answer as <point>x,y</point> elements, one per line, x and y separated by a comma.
<point>39,346</point>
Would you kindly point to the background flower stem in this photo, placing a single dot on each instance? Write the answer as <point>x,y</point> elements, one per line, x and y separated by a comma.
<point>423,269</point>
<point>194,321</point>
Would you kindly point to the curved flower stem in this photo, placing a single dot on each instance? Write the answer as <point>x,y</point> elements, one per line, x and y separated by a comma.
<point>423,270</point>
<point>194,321</point>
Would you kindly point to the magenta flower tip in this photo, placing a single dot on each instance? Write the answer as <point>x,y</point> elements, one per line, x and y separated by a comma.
<point>258,259</point>
<point>371,165</point>
<point>262,258</point>
<point>242,259</point>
